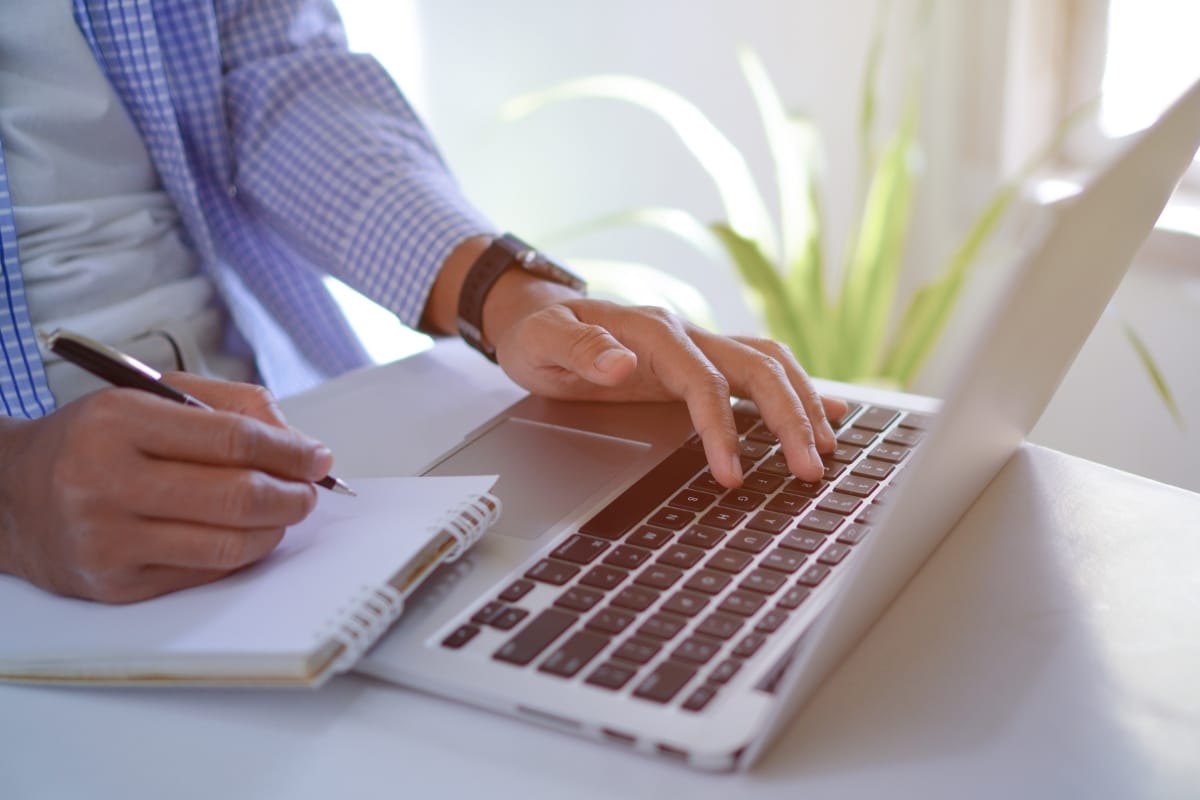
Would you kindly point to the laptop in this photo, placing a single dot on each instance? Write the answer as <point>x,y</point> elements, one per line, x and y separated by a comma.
<point>626,597</point>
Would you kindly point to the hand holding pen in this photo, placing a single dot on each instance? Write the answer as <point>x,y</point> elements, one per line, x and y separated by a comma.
<point>119,496</point>
<point>127,372</point>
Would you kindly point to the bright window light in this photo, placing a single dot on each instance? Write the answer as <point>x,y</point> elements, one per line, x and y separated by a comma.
<point>1151,58</point>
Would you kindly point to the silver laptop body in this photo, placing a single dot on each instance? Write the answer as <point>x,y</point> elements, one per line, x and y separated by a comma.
<point>562,464</point>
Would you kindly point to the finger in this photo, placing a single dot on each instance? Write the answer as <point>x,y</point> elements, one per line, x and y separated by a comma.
<point>587,350</point>
<point>816,406</point>
<point>220,496</point>
<point>686,372</point>
<point>175,432</point>
<point>208,547</point>
<point>240,398</point>
<point>764,380</point>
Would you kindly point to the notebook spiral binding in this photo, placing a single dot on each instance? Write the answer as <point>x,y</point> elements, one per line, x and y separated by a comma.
<point>469,522</point>
<point>376,607</point>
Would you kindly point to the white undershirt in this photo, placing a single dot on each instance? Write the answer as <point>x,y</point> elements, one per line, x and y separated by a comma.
<point>99,240</point>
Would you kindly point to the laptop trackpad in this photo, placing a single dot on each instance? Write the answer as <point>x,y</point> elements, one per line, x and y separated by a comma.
<point>546,471</point>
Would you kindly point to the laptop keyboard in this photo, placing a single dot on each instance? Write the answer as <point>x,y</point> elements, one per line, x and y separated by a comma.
<point>675,584</point>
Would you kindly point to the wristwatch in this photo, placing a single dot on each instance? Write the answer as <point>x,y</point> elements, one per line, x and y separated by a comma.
<point>504,253</point>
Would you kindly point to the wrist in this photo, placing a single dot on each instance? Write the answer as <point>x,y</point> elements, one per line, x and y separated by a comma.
<point>516,295</point>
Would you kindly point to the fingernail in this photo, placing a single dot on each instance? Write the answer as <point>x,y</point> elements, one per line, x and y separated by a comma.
<point>608,359</point>
<point>322,461</point>
<point>735,466</point>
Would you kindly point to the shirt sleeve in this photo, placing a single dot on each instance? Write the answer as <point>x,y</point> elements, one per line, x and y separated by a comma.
<point>331,156</point>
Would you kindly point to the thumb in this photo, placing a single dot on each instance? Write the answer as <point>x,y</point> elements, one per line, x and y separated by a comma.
<point>590,351</point>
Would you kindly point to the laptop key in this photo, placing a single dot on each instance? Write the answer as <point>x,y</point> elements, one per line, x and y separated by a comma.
<point>516,590</point>
<point>916,421</point>
<point>692,500</point>
<point>665,682</point>
<point>461,635</point>
<point>742,499</point>
<point>889,453</point>
<point>730,561</point>
<point>832,470</point>
<point>772,620</point>
<point>724,518</point>
<point>678,555</point>
<point>754,450</point>
<point>834,554</point>
<point>793,597</point>
<point>509,618</point>
<point>611,675</point>
<point>762,482</point>
<point>627,557</point>
<point>637,651</point>
<point>821,521</point>
<point>749,645</point>
<point>574,654</point>
<point>845,453</point>
<point>876,418</point>
<point>707,581</point>
<point>651,538</point>
<point>705,482</point>
<point>876,470</point>
<point>769,521</point>
<point>535,637</point>
<point>856,486</point>
<point>696,650</point>
<point>725,670</point>
<point>488,613</point>
<point>782,560</point>
<point>662,626</point>
<point>776,465</point>
<point>580,549</point>
<point>658,576</point>
<point>790,504</point>
<point>720,626</point>
<point>646,494</point>
<point>603,577</point>
<point>814,574</point>
<point>804,541</point>
<point>611,620</point>
<point>700,536</point>
<point>763,581</point>
<point>579,598</point>
<point>853,534</point>
<point>673,519</point>
<point>837,503</point>
<point>555,573</point>
<point>904,437</point>
<point>687,604</point>
<point>744,603</point>
<point>761,433</point>
<point>700,697</point>
<point>805,488</point>
<point>635,598</point>
<point>750,541</point>
<point>869,514</point>
<point>857,437</point>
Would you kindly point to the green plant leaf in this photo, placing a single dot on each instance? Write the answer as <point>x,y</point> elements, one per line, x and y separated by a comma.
<point>869,285</point>
<point>1153,372</point>
<point>868,98</point>
<point>930,307</point>
<point>765,288</point>
<point>795,148</point>
<point>744,206</point>
<point>636,283</point>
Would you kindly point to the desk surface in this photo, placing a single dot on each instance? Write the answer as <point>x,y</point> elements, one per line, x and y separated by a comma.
<point>1050,647</point>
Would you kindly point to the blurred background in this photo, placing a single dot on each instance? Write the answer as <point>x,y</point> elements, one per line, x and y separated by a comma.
<point>995,79</point>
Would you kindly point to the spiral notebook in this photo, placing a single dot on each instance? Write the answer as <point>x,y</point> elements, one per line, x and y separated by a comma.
<point>310,610</point>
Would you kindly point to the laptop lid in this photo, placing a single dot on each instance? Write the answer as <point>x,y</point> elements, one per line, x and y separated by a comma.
<point>1003,384</point>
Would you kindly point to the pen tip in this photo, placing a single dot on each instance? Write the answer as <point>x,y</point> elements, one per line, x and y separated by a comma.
<point>342,488</point>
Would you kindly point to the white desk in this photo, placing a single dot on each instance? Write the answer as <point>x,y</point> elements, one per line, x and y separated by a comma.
<point>1050,648</point>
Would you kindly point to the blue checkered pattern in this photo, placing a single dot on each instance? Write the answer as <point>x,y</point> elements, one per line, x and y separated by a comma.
<point>289,158</point>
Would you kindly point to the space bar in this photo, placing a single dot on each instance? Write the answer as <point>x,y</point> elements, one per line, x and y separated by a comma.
<point>644,496</point>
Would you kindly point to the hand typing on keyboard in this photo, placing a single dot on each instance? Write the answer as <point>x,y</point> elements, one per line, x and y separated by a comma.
<point>556,343</point>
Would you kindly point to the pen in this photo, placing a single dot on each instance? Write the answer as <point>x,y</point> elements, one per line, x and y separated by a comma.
<point>127,372</point>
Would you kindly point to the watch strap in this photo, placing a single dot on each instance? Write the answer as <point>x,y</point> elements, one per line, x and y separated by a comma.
<point>504,253</point>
